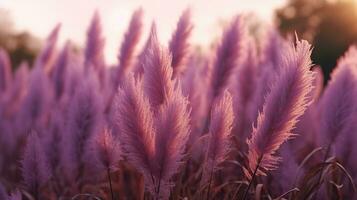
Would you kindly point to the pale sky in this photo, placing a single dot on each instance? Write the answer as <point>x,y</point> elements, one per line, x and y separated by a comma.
<point>40,16</point>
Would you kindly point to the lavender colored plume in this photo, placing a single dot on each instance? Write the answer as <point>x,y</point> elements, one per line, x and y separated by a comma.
<point>272,50</point>
<point>47,54</point>
<point>157,73</point>
<point>243,91</point>
<point>60,69</point>
<point>228,55</point>
<point>35,105</point>
<point>93,55</point>
<point>130,41</point>
<point>84,121</point>
<point>179,45</point>
<point>338,103</point>
<point>138,68</point>
<point>285,103</point>
<point>35,167</point>
<point>106,150</point>
<point>172,133</point>
<point>222,118</point>
<point>135,121</point>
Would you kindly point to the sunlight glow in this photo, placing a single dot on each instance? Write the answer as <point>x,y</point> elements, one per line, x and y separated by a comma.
<point>75,17</point>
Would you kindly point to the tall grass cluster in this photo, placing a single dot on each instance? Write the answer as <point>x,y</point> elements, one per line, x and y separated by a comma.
<point>248,118</point>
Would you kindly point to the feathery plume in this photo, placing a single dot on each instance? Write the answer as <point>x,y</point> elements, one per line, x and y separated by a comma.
<point>48,52</point>
<point>18,89</point>
<point>349,55</point>
<point>52,140</point>
<point>337,104</point>
<point>157,73</point>
<point>35,168</point>
<point>106,150</point>
<point>130,41</point>
<point>36,103</point>
<point>179,45</point>
<point>135,121</point>
<point>264,80</point>
<point>172,133</point>
<point>138,69</point>
<point>285,103</point>
<point>244,90</point>
<point>59,70</point>
<point>228,55</point>
<point>318,84</point>
<point>219,134</point>
<point>84,121</point>
<point>93,55</point>
<point>272,50</point>
<point>306,127</point>
<point>5,70</point>
<point>194,80</point>
<point>283,179</point>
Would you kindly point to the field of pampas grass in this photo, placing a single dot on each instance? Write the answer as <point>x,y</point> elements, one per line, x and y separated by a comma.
<point>249,118</point>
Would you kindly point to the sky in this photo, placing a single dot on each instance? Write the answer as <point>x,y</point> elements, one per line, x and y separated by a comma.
<point>40,17</point>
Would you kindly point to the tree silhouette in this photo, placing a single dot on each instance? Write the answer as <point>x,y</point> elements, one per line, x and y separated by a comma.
<point>331,26</point>
<point>21,46</point>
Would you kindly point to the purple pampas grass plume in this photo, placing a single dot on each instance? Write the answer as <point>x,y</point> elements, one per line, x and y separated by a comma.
<point>307,128</point>
<point>228,55</point>
<point>130,41</point>
<point>106,154</point>
<point>93,53</point>
<point>264,80</point>
<point>106,150</point>
<point>318,83</point>
<point>52,140</point>
<point>284,179</point>
<point>138,69</point>
<point>194,80</point>
<point>285,103</point>
<point>59,71</point>
<point>222,118</point>
<point>157,73</point>
<point>349,55</point>
<point>172,134</point>
<point>243,91</point>
<point>338,103</point>
<point>272,49</point>
<point>17,91</point>
<point>5,70</point>
<point>135,121</point>
<point>179,45</point>
<point>35,105</point>
<point>47,54</point>
<point>35,168</point>
<point>84,120</point>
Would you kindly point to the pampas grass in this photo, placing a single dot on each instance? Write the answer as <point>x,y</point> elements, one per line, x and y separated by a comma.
<point>285,103</point>
<point>176,121</point>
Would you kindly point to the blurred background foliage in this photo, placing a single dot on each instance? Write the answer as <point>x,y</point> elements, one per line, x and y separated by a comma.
<point>330,25</point>
<point>22,46</point>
